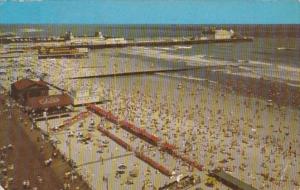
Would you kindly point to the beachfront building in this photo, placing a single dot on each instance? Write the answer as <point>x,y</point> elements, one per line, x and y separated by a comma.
<point>69,35</point>
<point>62,52</point>
<point>85,95</point>
<point>34,95</point>
<point>52,103</point>
<point>99,34</point>
<point>223,34</point>
<point>86,92</point>
<point>24,89</point>
<point>97,39</point>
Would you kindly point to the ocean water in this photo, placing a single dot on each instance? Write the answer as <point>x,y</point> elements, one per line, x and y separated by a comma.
<point>267,38</point>
<point>274,53</point>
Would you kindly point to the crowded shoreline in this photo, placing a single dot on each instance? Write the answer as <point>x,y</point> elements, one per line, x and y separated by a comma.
<point>234,137</point>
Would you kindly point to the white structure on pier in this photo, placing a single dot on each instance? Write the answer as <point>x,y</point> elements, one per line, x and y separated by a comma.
<point>223,34</point>
<point>86,93</point>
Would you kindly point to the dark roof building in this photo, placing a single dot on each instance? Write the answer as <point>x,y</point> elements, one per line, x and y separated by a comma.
<point>26,83</point>
<point>24,89</point>
<point>48,102</point>
<point>34,96</point>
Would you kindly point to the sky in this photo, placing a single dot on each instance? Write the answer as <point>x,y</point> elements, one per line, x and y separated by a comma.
<point>150,11</point>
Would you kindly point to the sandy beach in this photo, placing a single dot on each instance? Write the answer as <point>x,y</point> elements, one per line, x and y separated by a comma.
<point>209,123</point>
<point>212,120</point>
<point>233,129</point>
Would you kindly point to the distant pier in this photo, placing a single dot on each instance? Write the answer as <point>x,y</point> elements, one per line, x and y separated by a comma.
<point>99,43</point>
<point>149,71</point>
<point>169,42</point>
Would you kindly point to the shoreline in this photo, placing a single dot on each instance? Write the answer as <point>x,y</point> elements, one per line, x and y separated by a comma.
<point>279,92</point>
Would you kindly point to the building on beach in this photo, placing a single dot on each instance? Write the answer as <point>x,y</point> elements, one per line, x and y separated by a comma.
<point>85,95</point>
<point>62,52</point>
<point>49,103</point>
<point>24,89</point>
<point>34,95</point>
<point>223,34</point>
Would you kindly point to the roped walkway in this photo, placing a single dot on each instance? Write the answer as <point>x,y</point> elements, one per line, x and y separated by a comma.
<point>138,154</point>
<point>143,134</point>
<point>75,119</point>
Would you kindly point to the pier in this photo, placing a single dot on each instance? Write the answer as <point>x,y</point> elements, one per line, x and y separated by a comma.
<point>145,72</point>
<point>167,42</point>
<point>94,43</point>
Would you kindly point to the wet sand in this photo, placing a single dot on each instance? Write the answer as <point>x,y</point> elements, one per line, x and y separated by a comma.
<point>281,93</point>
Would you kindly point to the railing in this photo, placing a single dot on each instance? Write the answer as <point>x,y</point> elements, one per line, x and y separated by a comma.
<point>138,154</point>
<point>143,134</point>
<point>75,119</point>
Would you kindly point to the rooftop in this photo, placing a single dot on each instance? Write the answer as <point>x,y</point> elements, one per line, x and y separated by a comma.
<point>26,83</point>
